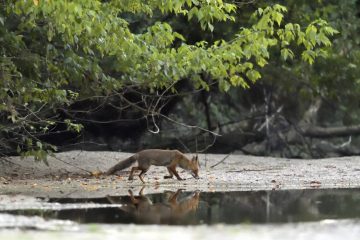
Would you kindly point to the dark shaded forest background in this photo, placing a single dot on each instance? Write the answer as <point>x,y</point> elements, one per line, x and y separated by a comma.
<point>295,110</point>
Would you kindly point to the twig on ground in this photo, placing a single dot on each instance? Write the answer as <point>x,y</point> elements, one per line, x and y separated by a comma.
<point>221,161</point>
<point>8,161</point>
<point>82,169</point>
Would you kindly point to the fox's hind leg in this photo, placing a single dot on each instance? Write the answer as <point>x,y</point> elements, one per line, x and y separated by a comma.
<point>133,169</point>
<point>170,172</point>
<point>143,171</point>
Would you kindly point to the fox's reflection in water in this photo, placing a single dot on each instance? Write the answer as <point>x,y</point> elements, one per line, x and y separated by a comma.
<point>171,209</point>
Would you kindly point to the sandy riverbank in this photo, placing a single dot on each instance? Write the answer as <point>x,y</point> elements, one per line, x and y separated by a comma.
<point>68,175</point>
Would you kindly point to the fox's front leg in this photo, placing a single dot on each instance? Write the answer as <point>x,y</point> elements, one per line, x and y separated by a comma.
<point>173,170</point>
<point>170,172</point>
<point>174,196</point>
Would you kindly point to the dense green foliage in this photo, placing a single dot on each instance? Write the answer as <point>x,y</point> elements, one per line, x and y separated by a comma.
<point>58,53</point>
<point>273,116</point>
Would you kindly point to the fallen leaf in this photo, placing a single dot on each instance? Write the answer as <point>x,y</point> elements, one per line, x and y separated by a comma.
<point>315,184</point>
<point>96,173</point>
<point>330,166</point>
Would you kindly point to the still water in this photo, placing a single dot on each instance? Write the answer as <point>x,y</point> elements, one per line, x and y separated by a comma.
<point>193,208</point>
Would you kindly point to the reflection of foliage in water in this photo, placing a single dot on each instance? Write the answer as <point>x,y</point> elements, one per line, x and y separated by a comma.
<point>333,205</point>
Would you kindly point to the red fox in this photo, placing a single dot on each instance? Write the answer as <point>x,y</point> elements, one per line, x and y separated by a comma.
<point>169,158</point>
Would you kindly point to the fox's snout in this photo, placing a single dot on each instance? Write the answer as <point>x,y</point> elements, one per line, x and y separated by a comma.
<point>195,174</point>
<point>195,167</point>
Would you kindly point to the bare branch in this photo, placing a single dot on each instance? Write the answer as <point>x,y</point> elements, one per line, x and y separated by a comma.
<point>188,126</point>
<point>330,132</point>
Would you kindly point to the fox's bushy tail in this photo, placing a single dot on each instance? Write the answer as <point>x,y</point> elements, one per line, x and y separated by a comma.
<point>121,165</point>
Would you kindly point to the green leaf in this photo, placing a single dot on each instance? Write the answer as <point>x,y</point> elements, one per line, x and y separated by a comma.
<point>311,34</point>
<point>277,17</point>
<point>39,144</point>
<point>18,149</point>
<point>280,8</point>
<point>211,27</point>
<point>224,85</point>
<point>253,75</point>
<point>330,31</point>
<point>261,61</point>
<point>287,53</point>
<point>236,81</point>
<point>308,56</point>
<point>179,36</point>
<point>323,39</point>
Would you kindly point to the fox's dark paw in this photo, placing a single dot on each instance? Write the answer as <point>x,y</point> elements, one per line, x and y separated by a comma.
<point>130,178</point>
<point>167,177</point>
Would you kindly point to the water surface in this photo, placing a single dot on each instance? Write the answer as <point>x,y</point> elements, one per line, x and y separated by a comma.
<point>194,208</point>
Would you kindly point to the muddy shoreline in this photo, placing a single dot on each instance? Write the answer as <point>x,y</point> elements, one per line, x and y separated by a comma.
<point>68,175</point>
